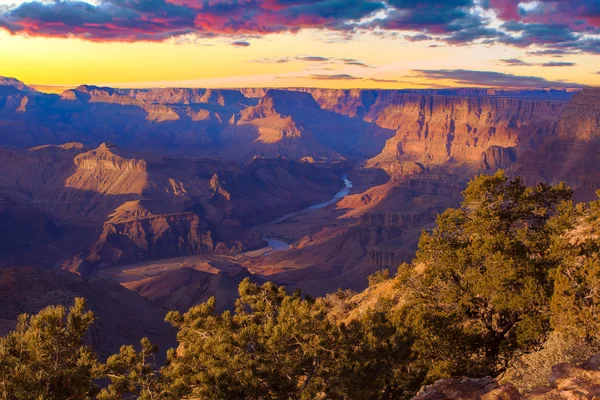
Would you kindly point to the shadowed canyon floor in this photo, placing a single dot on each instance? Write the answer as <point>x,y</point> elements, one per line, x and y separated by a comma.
<point>179,194</point>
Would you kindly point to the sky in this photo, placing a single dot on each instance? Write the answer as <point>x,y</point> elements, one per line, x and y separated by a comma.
<point>316,43</point>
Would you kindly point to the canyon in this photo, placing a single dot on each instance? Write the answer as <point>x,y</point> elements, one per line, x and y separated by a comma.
<point>172,195</point>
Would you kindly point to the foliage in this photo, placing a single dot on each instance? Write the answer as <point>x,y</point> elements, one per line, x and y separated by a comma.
<point>379,277</point>
<point>485,288</point>
<point>576,298</point>
<point>44,357</point>
<point>282,346</point>
<point>132,373</point>
<point>273,346</point>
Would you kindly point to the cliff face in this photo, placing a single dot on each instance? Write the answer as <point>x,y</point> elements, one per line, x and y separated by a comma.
<point>164,236</point>
<point>581,118</point>
<point>571,154</point>
<point>271,128</point>
<point>276,187</point>
<point>437,130</point>
<point>430,126</point>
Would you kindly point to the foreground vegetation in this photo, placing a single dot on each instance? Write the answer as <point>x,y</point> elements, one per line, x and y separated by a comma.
<point>503,284</point>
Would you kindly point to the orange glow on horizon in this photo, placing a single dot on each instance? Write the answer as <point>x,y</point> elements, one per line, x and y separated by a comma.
<point>54,64</point>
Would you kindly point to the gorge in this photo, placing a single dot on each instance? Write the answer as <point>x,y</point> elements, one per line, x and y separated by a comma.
<point>170,192</point>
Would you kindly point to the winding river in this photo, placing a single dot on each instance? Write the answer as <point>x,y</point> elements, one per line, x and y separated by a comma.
<point>280,245</point>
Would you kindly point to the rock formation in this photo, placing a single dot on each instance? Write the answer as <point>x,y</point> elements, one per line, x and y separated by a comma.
<point>566,382</point>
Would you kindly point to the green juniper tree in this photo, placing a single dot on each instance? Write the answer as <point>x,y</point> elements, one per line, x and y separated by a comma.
<point>44,357</point>
<point>485,285</point>
<point>272,346</point>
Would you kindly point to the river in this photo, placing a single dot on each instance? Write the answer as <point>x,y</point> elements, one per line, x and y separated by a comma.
<point>280,245</point>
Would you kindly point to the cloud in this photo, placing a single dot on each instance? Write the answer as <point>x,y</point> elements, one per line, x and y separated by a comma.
<point>492,79</point>
<point>347,77</point>
<point>241,44</point>
<point>313,59</point>
<point>432,17</point>
<point>156,20</point>
<point>551,52</point>
<point>580,14</point>
<point>353,62</point>
<point>515,62</point>
<point>567,26</point>
<point>417,38</point>
<point>557,64</point>
<point>525,35</point>
<point>336,77</point>
<point>268,60</point>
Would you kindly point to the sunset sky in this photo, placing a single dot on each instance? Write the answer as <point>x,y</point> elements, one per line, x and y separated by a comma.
<point>319,43</point>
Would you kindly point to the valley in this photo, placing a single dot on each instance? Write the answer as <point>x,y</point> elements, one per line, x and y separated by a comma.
<point>178,195</point>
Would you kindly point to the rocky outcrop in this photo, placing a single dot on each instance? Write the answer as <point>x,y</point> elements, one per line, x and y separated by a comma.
<point>165,236</point>
<point>570,155</point>
<point>468,389</point>
<point>581,118</point>
<point>388,258</point>
<point>106,158</point>
<point>567,381</point>
<point>172,96</point>
<point>437,129</point>
<point>497,157</point>
<point>271,128</point>
<point>15,83</point>
<point>405,221</point>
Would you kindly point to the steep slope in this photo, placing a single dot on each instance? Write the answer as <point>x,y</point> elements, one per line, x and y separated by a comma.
<point>163,236</point>
<point>270,129</point>
<point>295,122</point>
<point>123,316</point>
<point>183,288</point>
<point>436,130</point>
<point>571,154</point>
<point>266,189</point>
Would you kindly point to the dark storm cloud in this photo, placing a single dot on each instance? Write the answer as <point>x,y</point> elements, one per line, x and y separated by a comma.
<point>107,21</point>
<point>433,17</point>
<point>491,79</point>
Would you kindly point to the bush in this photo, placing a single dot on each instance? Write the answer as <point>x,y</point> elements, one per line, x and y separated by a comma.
<point>533,370</point>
